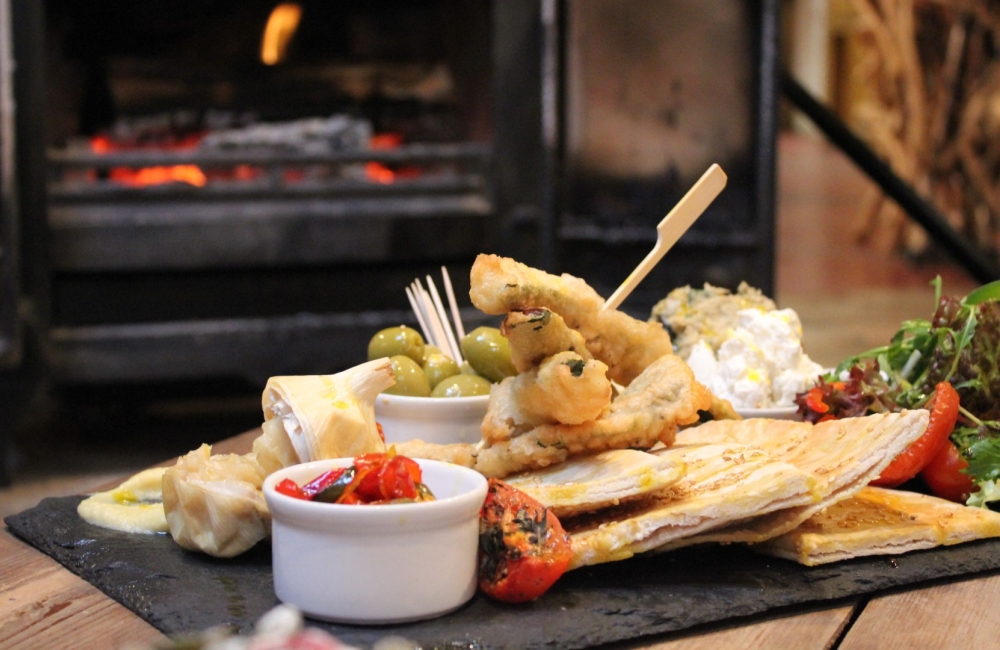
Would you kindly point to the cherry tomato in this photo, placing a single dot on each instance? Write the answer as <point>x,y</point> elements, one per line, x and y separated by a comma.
<point>944,412</point>
<point>523,548</point>
<point>288,487</point>
<point>944,476</point>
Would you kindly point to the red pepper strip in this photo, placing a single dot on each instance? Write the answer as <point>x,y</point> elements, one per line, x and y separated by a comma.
<point>290,488</point>
<point>398,479</point>
<point>349,496</point>
<point>814,400</point>
<point>369,488</point>
<point>323,481</point>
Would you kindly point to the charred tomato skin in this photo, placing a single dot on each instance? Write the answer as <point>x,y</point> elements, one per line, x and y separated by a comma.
<point>523,549</point>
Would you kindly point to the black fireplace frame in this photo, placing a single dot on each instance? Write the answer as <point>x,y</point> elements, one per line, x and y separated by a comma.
<point>515,201</point>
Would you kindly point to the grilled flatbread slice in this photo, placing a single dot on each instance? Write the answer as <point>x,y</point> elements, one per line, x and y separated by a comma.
<point>594,482</point>
<point>877,521</point>
<point>844,455</point>
<point>724,483</point>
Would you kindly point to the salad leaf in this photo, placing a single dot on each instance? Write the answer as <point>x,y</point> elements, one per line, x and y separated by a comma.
<point>969,356</point>
<point>980,446</point>
<point>986,292</point>
<point>988,491</point>
<point>959,344</point>
<point>865,391</point>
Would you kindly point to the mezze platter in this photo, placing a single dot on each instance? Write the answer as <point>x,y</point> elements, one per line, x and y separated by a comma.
<point>177,591</point>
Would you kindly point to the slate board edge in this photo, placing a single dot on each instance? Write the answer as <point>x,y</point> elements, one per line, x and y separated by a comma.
<point>621,624</point>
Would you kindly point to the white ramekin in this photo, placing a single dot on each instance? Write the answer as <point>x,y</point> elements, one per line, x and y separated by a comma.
<point>376,564</point>
<point>442,420</point>
<point>771,413</point>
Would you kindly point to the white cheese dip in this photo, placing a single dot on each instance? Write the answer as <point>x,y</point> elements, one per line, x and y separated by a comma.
<point>760,364</point>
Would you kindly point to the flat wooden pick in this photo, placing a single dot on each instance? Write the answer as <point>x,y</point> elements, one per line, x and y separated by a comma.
<point>675,224</point>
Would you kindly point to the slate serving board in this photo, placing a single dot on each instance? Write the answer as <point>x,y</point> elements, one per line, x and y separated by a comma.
<point>176,591</point>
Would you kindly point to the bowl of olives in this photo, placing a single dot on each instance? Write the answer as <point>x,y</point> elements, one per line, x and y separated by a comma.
<point>435,398</point>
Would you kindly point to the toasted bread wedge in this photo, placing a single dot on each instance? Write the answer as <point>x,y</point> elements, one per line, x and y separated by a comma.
<point>844,455</point>
<point>877,521</point>
<point>723,483</point>
<point>604,480</point>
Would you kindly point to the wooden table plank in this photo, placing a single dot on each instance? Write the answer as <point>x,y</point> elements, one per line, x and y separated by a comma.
<point>809,631</point>
<point>46,606</point>
<point>956,615</point>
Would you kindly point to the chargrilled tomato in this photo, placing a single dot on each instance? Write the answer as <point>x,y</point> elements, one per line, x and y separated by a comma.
<point>943,406</point>
<point>523,548</point>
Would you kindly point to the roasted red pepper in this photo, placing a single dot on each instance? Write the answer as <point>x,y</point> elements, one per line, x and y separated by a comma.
<point>290,488</point>
<point>323,481</point>
<point>373,478</point>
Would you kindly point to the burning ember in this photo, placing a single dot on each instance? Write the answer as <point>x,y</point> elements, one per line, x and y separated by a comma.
<point>190,174</point>
<point>194,175</point>
<point>378,172</point>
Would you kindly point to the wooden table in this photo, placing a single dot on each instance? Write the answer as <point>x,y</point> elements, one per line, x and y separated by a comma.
<point>43,605</point>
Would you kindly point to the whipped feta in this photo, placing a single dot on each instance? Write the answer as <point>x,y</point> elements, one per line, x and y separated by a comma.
<point>760,364</point>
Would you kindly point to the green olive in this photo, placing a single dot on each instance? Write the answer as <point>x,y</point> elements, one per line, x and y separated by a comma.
<point>439,366</point>
<point>488,352</point>
<point>466,369</point>
<point>462,386</point>
<point>410,378</point>
<point>429,350</point>
<point>397,340</point>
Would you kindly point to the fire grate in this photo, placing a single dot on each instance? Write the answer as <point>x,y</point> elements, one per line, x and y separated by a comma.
<point>301,207</point>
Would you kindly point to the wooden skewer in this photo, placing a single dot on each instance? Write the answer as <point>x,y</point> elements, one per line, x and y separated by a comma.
<point>456,316</point>
<point>438,337</point>
<point>433,319</point>
<point>675,224</point>
<point>422,313</point>
<point>456,353</point>
<point>420,317</point>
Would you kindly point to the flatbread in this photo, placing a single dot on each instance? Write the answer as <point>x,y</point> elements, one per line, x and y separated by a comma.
<point>723,483</point>
<point>844,455</point>
<point>877,521</point>
<point>594,482</point>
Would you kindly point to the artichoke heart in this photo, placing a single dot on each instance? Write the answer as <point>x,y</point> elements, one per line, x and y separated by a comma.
<point>329,416</point>
<point>214,504</point>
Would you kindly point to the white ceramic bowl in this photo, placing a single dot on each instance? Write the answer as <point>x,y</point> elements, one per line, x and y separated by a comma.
<point>773,413</point>
<point>375,564</point>
<point>442,420</point>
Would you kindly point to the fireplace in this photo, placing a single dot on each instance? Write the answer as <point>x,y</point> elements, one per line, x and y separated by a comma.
<point>210,203</point>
